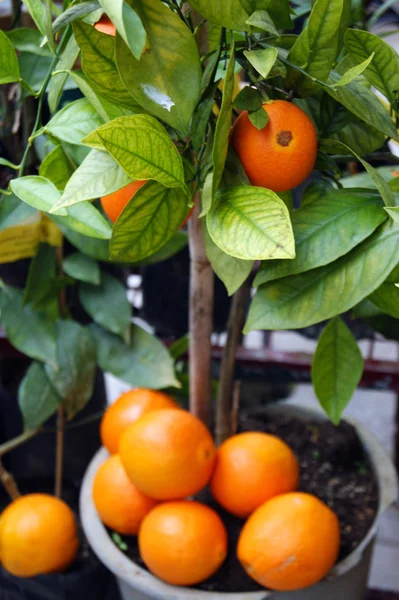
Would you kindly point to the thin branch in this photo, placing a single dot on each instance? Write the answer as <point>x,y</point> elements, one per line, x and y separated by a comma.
<point>236,407</point>
<point>17,441</point>
<point>8,482</point>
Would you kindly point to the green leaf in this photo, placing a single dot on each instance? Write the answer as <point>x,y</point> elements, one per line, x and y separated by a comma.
<point>383,72</point>
<point>57,167</point>
<point>97,176</point>
<point>13,211</point>
<point>37,399</point>
<point>262,60</point>
<point>143,149</point>
<point>145,362</point>
<point>82,267</point>
<point>386,298</point>
<point>223,125</point>
<point>362,138</point>
<point>28,40</point>
<point>331,147</point>
<point>156,81</point>
<point>201,117</point>
<point>73,13</point>
<point>262,20</point>
<point>315,191</point>
<point>92,247</point>
<point>147,222</point>
<point>94,140</point>
<point>128,24</point>
<point>327,229</point>
<point>354,72</point>
<point>30,332</point>
<point>86,219</point>
<point>180,347</point>
<point>90,95</point>
<point>279,10</point>
<point>38,192</point>
<point>37,11</point>
<point>229,13</point>
<point>74,122</point>
<point>365,309</point>
<point>232,271</point>
<point>300,300</point>
<point>33,69</point>
<point>107,304</point>
<point>40,292</point>
<point>98,64</point>
<point>74,379</point>
<point>177,242</point>
<point>363,103</point>
<point>336,369</point>
<point>251,223</point>
<point>249,98</point>
<point>58,81</point>
<point>259,118</point>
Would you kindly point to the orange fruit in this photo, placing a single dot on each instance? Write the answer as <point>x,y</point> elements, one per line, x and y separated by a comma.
<point>183,542</point>
<point>119,503</point>
<point>281,155</point>
<point>129,407</point>
<point>251,468</point>
<point>38,535</point>
<point>105,25</point>
<point>290,542</point>
<point>168,454</point>
<point>113,204</point>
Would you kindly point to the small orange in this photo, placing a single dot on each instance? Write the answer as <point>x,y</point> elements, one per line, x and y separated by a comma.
<point>113,204</point>
<point>281,155</point>
<point>119,503</point>
<point>129,407</point>
<point>183,542</point>
<point>105,25</point>
<point>168,454</point>
<point>251,468</point>
<point>38,535</point>
<point>290,542</point>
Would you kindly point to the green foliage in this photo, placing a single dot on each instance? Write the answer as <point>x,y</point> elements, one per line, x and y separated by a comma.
<point>13,211</point>
<point>36,385</point>
<point>128,25</point>
<point>9,68</point>
<point>82,267</point>
<point>74,122</point>
<point>337,368</point>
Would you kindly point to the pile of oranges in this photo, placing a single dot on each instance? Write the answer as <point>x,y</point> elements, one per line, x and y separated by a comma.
<point>161,456</point>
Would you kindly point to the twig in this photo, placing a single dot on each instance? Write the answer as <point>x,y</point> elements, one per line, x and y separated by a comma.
<point>8,482</point>
<point>235,407</point>
<point>59,453</point>
<point>225,389</point>
<point>17,441</point>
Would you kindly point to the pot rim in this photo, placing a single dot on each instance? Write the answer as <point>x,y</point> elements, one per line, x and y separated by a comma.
<point>140,579</point>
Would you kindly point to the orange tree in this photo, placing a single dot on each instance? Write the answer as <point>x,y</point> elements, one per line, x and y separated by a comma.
<point>157,103</point>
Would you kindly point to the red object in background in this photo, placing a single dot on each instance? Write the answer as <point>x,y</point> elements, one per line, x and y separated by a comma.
<point>105,25</point>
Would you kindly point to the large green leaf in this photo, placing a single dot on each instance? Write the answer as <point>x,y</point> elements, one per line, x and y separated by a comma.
<point>37,11</point>
<point>386,298</point>
<point>75,12</point>
<point>40,291</point>
<point>327,229</point>
<point>362,138</point>
<point>13,211</point>
<point>38,192</point>
<point>58,81</point>
<point>57,167</point>
<point>29,331</point>
<point>86,219</point>
<point>74,122</point>
<point>37,399</point>
<point>107,304</point>
<point>232,271</point>
<point>167,79</point>
<point>147,222</point>
<point>28,40</point>
<point>128,24</point>
<point>279,10</point>
<point>251,223</point>
<point>355,71</point>
<point>145,362</point>
<point>82,267</point>
<point>336,369</point>
<point>300,300</point>
<point>362,102</point>
<point>262,20</point>
<point>9,68</point>
<point>73,380</point>
<point>229,13</point>
<point>92,247</point>
<point>33,69</point>
<point>177,242</point>
<point>383,72</point>
<point>223,125</point>
<point>98,64</point>
<point>97,176</point>
<point>143,149</point>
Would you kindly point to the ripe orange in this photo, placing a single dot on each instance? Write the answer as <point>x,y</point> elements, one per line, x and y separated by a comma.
<point>252,468</point>
<point>129,407</point>
<point>282,155</point>
<point>114,203</point>
<point>168,454</point>
<point>119,503</point>
<point>290,542</point>
<point>38,535</point>
<point>183,542</point>
<point>105,25</point>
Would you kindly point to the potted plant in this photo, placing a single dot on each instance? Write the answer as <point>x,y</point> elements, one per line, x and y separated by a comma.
<point>159,86</point>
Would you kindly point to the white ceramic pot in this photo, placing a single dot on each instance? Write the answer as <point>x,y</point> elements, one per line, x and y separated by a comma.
<point>347,580</point>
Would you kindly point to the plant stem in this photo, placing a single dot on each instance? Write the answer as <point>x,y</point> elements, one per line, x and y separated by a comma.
<point>17,441</point>
<point>59,453</point>
<point>201,322</point>
<point>8,482</point>
<point>225,390</point>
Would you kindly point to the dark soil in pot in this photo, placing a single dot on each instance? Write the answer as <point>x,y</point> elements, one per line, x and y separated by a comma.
<point>334,467</point>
